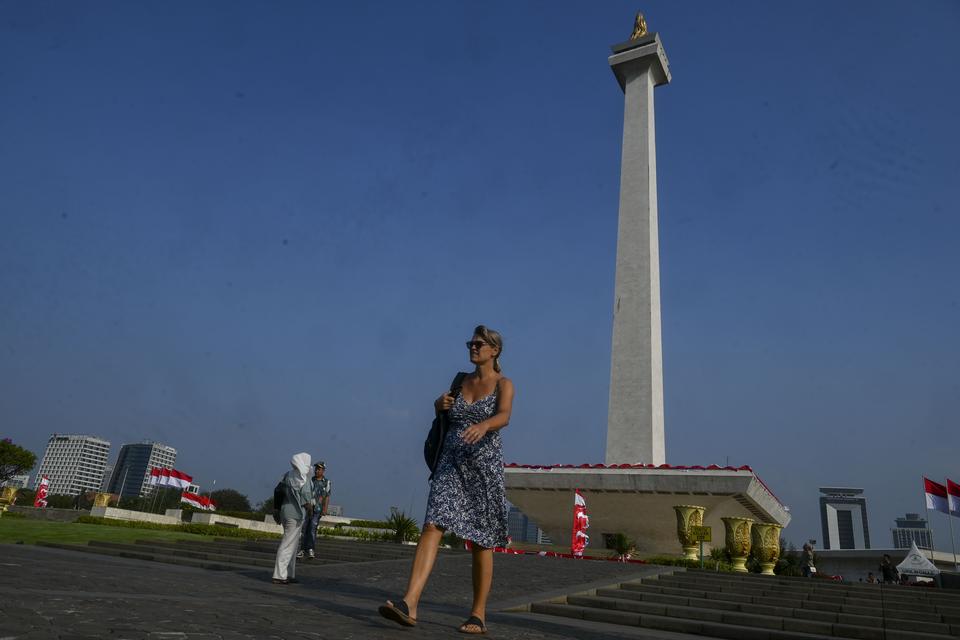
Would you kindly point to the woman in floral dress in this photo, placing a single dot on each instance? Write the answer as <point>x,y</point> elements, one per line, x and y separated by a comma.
<point>467,495</point>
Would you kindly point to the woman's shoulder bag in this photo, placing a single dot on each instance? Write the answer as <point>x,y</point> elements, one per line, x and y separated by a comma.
<point>433,445</point>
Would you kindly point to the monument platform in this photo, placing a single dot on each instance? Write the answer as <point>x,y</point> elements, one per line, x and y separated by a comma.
<point>638,500</point>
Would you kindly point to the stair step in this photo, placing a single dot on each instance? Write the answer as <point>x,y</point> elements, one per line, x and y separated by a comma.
<point>121,553</point>
<point>718,624</point>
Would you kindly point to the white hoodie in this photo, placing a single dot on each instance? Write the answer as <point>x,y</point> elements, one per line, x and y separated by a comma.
<point>301,465</point>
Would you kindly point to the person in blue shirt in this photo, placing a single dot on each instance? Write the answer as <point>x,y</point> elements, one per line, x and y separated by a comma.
<point>320,497</point>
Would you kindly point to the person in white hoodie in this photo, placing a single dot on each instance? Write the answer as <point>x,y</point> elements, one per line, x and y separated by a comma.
<point>296,497</point>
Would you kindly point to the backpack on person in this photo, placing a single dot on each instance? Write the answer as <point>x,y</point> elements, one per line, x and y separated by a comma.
<point>279,497</point>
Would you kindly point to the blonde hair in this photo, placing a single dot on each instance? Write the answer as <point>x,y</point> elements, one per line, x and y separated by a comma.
<point>494,339</point>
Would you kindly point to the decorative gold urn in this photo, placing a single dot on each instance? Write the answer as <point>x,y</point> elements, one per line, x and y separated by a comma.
<point>688,516</point>
<point>102,500</point>
<point>766,545</point>
<point>738,541</point>
<point>8,495</point>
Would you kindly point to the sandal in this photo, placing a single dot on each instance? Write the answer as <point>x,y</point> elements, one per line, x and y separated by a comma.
<point>473,621</point>
<point>398,612</point>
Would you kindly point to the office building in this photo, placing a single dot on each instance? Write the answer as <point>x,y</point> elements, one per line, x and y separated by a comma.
<point>912,528</point>
<point>520,528</point>
<point>843,518</point>
<point>131,473</point>
<point>73,464</point>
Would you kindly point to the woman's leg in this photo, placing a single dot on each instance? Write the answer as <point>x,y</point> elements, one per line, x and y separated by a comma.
<point>422,566</point>
<point>482,578</point>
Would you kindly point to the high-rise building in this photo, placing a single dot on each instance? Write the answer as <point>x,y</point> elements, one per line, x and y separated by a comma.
<point>843,518</point>
<point>912,528</point>
<point>131,473</point>
<point>520,528</point>
<point>73,463</point>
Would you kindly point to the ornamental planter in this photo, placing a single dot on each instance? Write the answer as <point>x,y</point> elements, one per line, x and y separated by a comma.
<point>738,541</point>
<point>766,545</point>
<point>688,516</point>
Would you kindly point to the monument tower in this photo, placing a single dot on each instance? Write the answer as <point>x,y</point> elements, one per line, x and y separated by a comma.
<point>635,492</point>
<point>635,414</point>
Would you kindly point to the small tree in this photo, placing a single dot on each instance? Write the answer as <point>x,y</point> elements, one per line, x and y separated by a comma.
<point>623,545</point>
<point>14,460</point>
<point>403,526</point>
<point>266,506</point>
<point>230,500</point>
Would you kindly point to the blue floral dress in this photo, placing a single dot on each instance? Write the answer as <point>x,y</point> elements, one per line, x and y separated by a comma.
<point>467,496</point>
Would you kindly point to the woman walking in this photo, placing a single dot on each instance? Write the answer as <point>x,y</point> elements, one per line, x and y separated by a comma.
<point>467,494</point>
<point>296,497</point>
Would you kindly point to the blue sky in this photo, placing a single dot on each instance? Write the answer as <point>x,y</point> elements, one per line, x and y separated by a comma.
<point>248,229</point>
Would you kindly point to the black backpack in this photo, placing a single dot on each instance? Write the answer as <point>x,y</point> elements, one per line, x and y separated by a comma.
<point>279,497</point>
<point>433,445</point>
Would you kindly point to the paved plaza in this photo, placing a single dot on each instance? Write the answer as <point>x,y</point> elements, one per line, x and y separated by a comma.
<point>52,593</point>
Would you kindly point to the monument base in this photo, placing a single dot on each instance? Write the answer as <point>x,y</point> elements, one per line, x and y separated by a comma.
<point>638,500</point>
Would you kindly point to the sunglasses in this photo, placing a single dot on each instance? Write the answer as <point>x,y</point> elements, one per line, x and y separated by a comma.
<point>476,344</point>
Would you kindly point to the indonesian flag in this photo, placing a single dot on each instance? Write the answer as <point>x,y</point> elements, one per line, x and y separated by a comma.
<point>200,502</point>
<point>40,501</point>
<point>936,495</point>
<point>953,497</point>
<point>581,521</point>
<point>170,478</point>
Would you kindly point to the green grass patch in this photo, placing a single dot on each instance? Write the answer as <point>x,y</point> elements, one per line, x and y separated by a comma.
<point>29,531</point>
<point>198,529</point>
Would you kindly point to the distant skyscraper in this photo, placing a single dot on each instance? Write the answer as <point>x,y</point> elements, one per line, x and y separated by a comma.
<point>131,474</point>
<point>912,528</point>
<point>843,518</point>
<point>520,528</point>
<point>73,463</point>
<point>107,475</point>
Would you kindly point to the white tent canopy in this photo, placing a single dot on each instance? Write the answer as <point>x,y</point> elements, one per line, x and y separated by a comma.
<point>915,564</point>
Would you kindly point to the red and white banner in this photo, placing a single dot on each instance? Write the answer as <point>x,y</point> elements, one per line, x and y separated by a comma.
<point>936,495</point>
<point>200,502</point>
<point>953,497</point>
<point>169,478</point>
<point>581,522</point>
<point>40,500</point>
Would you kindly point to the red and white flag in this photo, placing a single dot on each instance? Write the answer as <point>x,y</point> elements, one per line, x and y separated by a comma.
<point>936,495</point>
<point>581,522</point>
<point>200,502</point>
<point>170,478</point>
<point>40,500</point>
<point>953,497</point>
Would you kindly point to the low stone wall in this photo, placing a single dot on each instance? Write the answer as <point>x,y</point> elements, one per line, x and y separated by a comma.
<point>127,514</point>
<point>242,523</point>
<point>56,515</point>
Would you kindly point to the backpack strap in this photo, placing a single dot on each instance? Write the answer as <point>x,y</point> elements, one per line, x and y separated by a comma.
<point>457,383</point>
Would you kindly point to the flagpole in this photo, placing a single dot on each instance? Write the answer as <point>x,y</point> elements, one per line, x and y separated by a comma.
<point>953,545</point>
<point>123,484</point>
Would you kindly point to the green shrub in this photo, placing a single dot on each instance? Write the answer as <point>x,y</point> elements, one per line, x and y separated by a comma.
<point>368,524</point>
<point>200,529</point>
<point>402,526</point>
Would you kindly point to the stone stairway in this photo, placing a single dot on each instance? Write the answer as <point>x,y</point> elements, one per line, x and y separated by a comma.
<point>225,554</point>
<point>753,607</point>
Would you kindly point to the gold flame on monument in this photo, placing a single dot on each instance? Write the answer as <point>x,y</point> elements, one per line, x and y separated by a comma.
<point>639,27</point>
